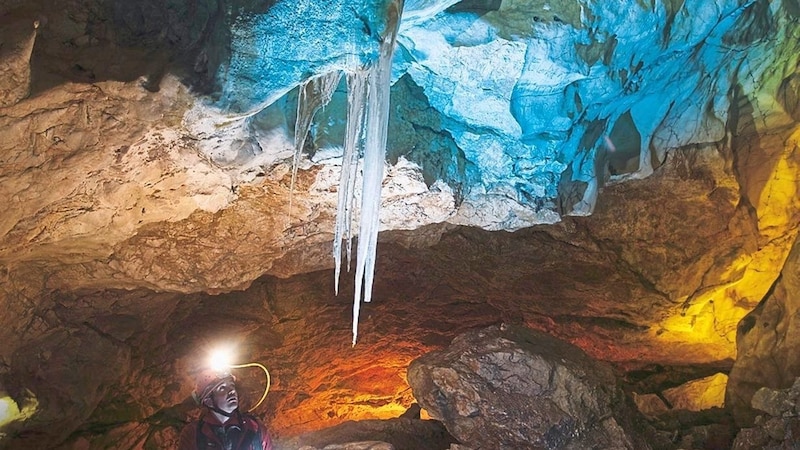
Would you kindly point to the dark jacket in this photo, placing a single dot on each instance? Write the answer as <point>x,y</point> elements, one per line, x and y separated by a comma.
<point>239,432</point>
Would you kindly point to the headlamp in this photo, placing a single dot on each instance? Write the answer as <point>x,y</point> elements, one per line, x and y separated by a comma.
<point>220,360</point>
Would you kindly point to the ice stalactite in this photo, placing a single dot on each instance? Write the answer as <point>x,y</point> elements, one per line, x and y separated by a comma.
<point>312,95</point>
<point>357,88</point>
<point>376,122</point>
<point>367,123</point>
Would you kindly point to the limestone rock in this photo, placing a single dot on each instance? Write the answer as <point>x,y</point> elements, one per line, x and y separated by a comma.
<point>16,46</point>
<point>768,343</point>
<point>694,395</point>
<point>779,428</point>
<point>511,387</point>
<point>699,394</point>
<point>773,402</point>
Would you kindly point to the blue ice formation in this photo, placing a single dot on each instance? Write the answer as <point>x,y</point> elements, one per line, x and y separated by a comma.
<point>277,46</point>
<point>526,108</point>
<point>549,100</point>
<point>368,83</point>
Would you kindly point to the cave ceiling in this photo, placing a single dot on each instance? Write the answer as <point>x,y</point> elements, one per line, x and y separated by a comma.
<point>622,175</point>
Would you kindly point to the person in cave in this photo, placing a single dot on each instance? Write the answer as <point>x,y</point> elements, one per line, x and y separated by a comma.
<point>221,425</point>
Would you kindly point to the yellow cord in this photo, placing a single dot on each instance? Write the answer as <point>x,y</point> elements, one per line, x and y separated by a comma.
<point>266,388</point>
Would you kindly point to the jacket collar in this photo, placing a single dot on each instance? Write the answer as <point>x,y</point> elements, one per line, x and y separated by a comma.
<point>210,418</point>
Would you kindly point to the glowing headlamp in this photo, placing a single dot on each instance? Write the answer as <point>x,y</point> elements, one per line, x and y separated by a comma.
<point>220,360</point>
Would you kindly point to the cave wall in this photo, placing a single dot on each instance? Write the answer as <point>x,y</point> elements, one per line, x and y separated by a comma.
<point>767,343</point>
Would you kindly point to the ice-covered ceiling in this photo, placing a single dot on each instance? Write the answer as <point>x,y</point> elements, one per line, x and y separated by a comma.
<point>523,108</point>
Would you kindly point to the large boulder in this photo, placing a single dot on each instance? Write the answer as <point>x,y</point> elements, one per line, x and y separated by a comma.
<point>512,387</point>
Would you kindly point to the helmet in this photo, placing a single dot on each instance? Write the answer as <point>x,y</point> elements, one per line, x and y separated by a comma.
<point>208,380</point>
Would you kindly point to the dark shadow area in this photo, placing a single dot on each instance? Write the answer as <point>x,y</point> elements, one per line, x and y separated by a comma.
<point>402,433</point>
<point>479,7</point>
<point>88,41</point>
<point>623,157</point>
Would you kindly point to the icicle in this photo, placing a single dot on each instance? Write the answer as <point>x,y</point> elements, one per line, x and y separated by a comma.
<point>353,149</point>
<point>375,127</point>
<point>312,95</point>
<point>367,123</point>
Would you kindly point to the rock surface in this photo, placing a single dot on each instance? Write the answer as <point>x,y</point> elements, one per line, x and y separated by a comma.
<point>768,343</point>
<point>17,37</point>
<point>779,428</point>
<point>510,387</point>
<point>695,395</point>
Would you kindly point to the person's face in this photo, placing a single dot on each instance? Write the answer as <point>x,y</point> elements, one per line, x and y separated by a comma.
<point>225,397</point>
